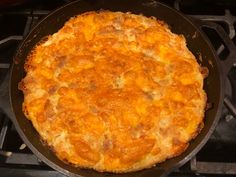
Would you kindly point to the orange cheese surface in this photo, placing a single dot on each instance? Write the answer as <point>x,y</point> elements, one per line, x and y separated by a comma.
<point>114,92</point>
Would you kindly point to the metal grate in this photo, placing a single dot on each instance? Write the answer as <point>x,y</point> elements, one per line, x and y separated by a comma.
<point>17,160</point>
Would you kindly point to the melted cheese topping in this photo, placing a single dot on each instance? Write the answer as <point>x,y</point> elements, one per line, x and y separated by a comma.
<point>114,91</point>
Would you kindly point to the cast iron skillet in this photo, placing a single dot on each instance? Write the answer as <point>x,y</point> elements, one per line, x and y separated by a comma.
<point>196,42</point>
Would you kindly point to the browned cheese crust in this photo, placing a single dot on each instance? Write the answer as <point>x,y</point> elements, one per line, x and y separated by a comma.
<point>114,92</point>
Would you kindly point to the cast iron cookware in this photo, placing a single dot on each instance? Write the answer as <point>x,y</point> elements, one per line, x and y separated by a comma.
<point>180,24</point>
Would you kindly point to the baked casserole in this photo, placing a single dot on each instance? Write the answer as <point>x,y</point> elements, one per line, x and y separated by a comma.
<point>114,92</point>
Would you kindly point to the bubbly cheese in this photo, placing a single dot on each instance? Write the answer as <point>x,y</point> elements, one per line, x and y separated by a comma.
<point>114,92</point>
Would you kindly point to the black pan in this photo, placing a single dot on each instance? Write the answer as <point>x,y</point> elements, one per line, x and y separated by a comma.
<point>196,41</point>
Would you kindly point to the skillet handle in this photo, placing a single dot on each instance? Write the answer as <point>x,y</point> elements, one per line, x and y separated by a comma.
<point>5,105</point>
<point>230,60</point>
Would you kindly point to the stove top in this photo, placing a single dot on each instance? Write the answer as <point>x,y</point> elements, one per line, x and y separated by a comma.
<point>217,157</point>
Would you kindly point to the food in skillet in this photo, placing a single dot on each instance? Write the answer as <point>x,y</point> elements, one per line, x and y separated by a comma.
<point>114,92</point>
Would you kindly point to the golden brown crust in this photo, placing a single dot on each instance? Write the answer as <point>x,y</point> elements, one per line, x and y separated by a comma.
<point>114,91</point>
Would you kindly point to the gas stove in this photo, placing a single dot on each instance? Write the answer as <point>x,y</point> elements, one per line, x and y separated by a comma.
<point>217,157</point>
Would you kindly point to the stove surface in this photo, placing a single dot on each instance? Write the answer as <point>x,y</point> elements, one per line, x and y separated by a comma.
<point>217,157</point>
